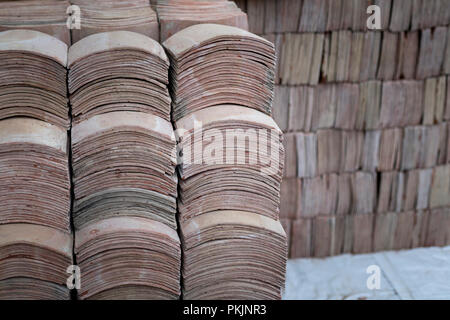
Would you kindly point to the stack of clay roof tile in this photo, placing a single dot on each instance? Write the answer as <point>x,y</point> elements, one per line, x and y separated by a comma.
<point>33,262</point>
<point>35,239</point>
<point>176,15</point>
<point>34,172</point>
<point>118,71</point>
<point>366,120</point>
<point>128,258</point>
<point>213,64</point>
<point>124,164</point>
<point>124,159</point>
<point>233,255</point>
<point>111,15</point>
<point>33,77</point>
<point>218,181</point>
<point>229,193</point>
<point>281,16</point>
<point>47,16</point>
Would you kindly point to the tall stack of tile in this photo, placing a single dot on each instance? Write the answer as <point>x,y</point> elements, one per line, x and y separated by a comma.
<point>35,236</point>
<point>234,246</point>
<point>124,158</point>
<point>366,120</point>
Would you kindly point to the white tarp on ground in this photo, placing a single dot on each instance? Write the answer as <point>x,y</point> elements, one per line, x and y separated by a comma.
<point>422,273</point>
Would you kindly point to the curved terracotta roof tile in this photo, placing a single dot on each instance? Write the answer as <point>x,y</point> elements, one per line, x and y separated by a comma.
<point>194,36</point>
<point>28,130</point>
<point>34,42</point>
<point>36,235</point>
<point>110,120</point>
<point>114,40</point>
<point>227,112</point>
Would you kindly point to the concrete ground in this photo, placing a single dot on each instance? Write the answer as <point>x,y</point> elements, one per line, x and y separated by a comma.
<point>422,273</point>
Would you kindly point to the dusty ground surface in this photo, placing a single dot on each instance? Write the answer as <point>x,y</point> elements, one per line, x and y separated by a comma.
<point>422,273</point>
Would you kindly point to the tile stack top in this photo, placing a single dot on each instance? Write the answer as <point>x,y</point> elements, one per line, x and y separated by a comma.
<point>124,159</point>
<point>32,148</point>
<point>49,251</point>
<point>238,185</point>
<point>222,89</point>
<point>33,76</point>
<point>215,64</point>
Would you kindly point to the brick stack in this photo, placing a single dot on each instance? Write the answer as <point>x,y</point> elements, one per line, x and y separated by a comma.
<point>366,120</point>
